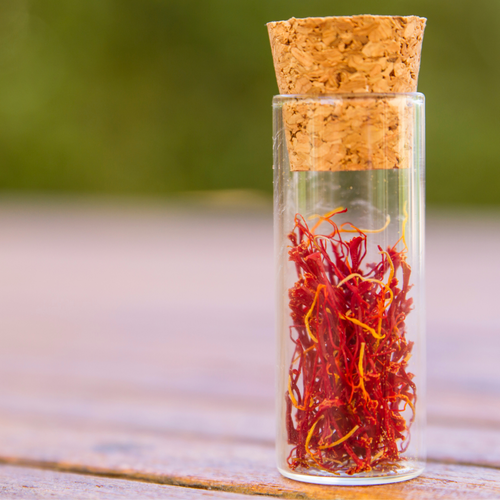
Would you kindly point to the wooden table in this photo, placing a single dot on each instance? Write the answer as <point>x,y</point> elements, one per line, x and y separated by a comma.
<point>137,355</point>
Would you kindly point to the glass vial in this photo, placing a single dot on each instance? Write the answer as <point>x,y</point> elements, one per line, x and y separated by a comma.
<point>349,239</point>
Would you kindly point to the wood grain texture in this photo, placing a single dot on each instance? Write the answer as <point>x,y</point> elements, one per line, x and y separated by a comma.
<point>122,352</point>
<point>204,462</point>
<point>439,481</point>
<point>37,484</point>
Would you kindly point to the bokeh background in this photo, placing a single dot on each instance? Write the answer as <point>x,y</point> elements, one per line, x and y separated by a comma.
<point>156,97</point>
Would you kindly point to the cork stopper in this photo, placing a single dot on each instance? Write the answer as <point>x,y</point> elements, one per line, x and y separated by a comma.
<point>325,55</point>
<point>347,55</point>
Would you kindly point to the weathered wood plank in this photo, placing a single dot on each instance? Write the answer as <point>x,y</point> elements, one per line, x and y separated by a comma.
<point>464,444</point>
<point>141,343</point>
<point>202,463</point>
<point>28,483</point>
<point>447,441</point>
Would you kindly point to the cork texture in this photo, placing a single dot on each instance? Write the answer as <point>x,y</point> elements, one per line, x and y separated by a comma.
<point>347,55</point>
<point>323,55</point>
<point>349,133</point>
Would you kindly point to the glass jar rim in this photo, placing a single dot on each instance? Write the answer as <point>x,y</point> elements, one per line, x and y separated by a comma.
<point>414,96</point>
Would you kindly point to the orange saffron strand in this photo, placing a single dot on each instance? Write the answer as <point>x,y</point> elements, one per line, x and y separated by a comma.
<point>308,315</point>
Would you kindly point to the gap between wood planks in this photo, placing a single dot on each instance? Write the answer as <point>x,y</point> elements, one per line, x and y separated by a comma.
<point>258,489</point>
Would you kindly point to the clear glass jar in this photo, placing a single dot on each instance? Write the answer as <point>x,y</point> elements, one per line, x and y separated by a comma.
<point>349,238</point>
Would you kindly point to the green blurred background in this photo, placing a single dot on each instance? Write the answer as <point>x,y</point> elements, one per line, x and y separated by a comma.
<point>153,97</point>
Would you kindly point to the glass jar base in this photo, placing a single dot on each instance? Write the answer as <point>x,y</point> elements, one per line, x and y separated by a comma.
<point>406,472</point>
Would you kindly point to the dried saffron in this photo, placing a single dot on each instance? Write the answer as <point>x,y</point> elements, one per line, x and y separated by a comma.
<point>348,384</point>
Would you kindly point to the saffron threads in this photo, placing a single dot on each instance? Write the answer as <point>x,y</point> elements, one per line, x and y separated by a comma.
<point>348,385</point>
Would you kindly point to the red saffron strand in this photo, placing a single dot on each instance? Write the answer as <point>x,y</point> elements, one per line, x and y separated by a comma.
<point>348,383</point>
